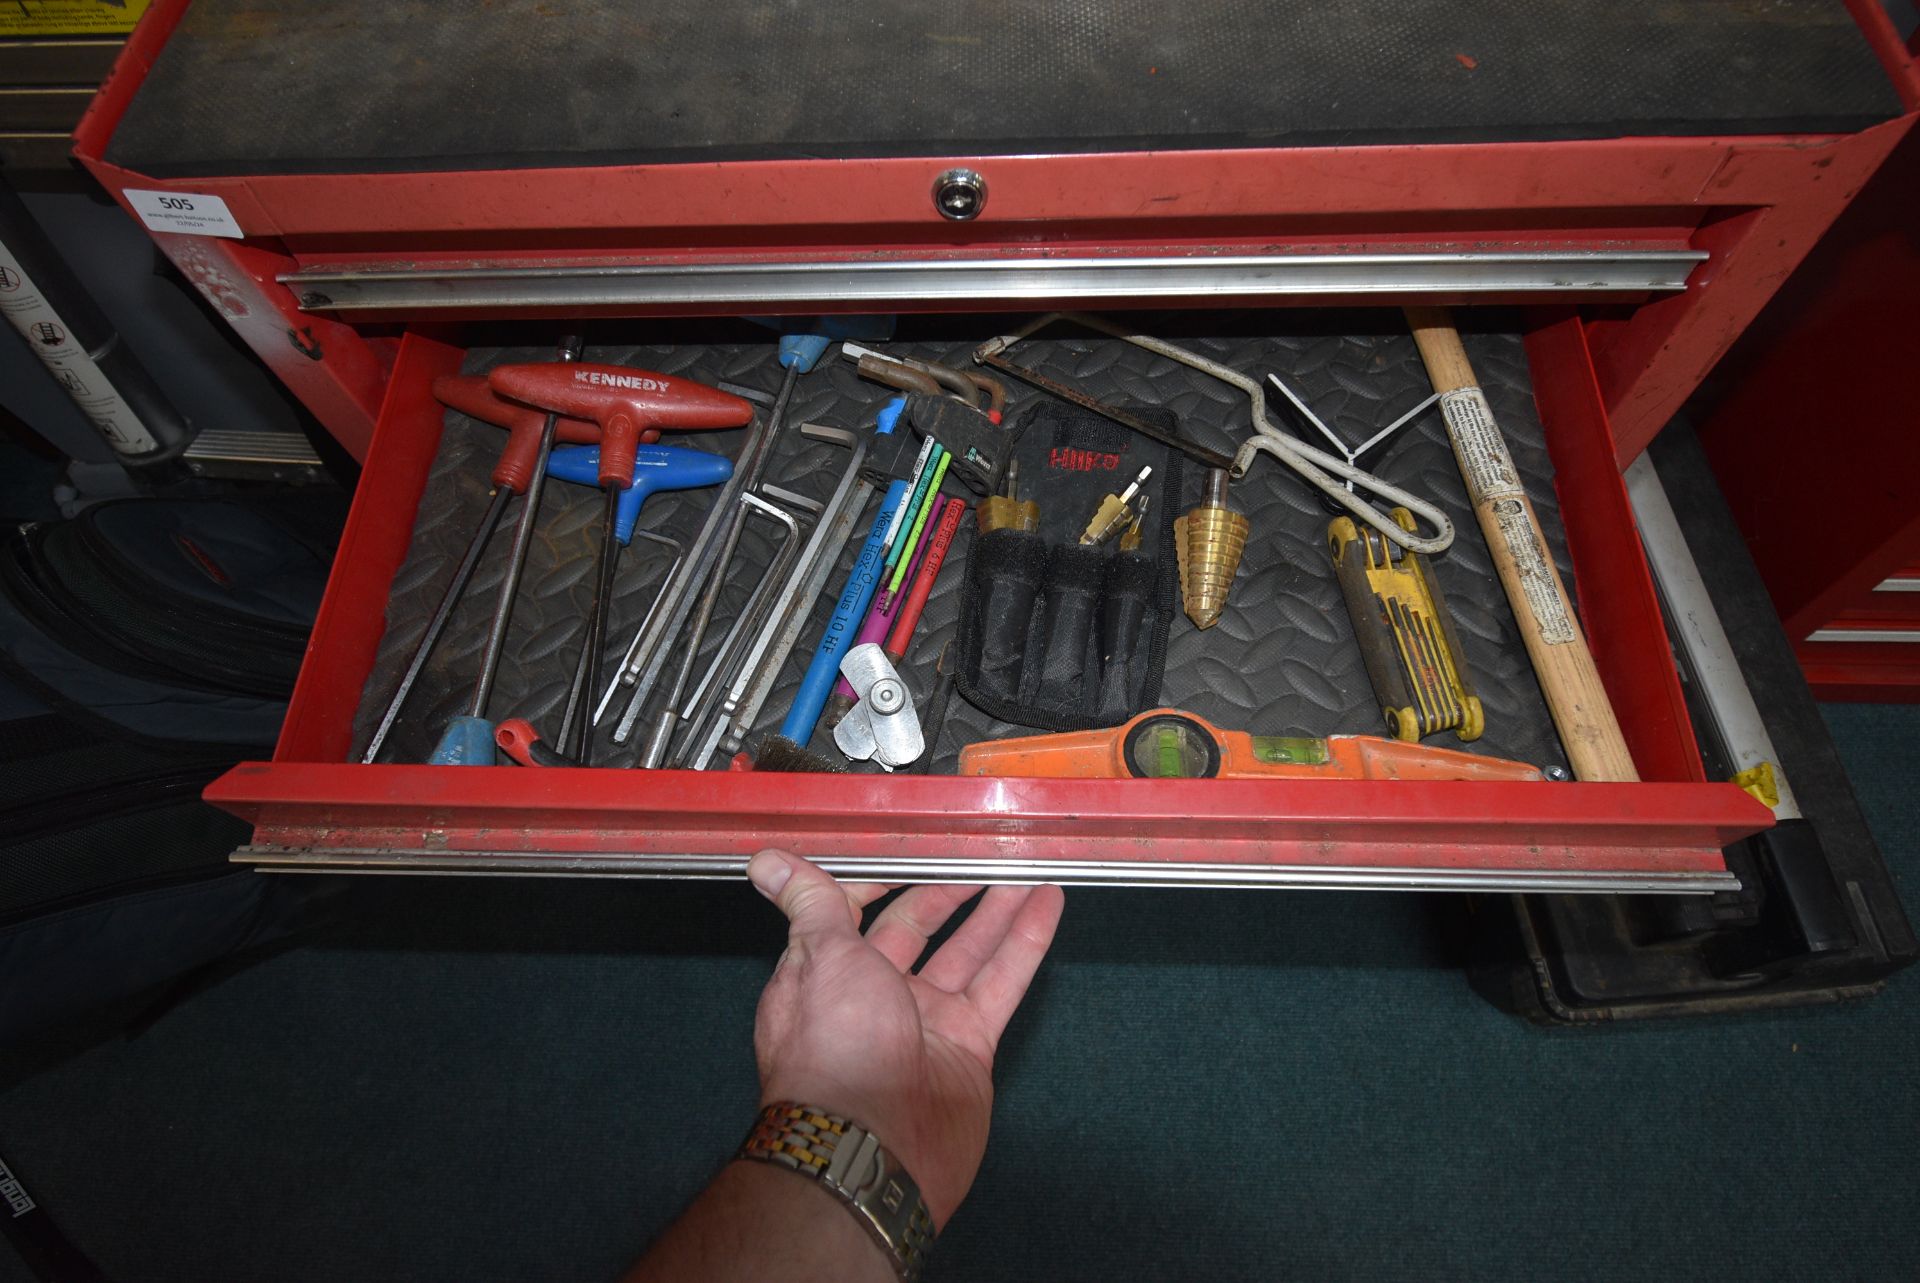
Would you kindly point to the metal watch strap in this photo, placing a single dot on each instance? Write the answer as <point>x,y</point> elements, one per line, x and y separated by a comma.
<point>850,1161</point>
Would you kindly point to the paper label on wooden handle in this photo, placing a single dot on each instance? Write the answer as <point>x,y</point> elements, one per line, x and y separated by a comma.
<point>1479,446</point>
<point>1529,555</point>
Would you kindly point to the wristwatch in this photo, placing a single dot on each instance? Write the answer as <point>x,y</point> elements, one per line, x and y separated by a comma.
<point>849,1160</point>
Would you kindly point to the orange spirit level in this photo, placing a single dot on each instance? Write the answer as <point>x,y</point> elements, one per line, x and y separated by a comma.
<point>1166,743</point>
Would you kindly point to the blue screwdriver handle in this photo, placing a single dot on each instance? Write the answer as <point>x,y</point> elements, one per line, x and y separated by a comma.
<point>655,468</point>
<point>862,582</point>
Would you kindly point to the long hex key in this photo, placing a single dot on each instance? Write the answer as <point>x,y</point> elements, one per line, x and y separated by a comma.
<point>756,466</point>
<point>651,654</point>
<point>758,603</point>
<point>660,595</point>
<point>761,670</point>
<point>456,589</point>
<point>668,721</point>
<point>576,733</point>
<point>569,350</point>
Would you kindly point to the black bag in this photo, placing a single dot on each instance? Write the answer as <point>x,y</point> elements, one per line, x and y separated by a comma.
<point>146,646</point>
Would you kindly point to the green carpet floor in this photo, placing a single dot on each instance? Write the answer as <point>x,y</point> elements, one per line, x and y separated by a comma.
<point>525,1080</point>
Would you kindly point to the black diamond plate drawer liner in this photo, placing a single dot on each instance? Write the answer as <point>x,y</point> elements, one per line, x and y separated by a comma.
<point>1282,659</point>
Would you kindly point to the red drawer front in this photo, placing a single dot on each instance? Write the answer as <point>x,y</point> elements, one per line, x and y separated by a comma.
<point>312,809</point>
<point>1870,652</point>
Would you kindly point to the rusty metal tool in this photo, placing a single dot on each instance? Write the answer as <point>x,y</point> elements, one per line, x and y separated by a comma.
<point>993,353</point>
<point>1406,635</point>
<point>1590,732</point>
<point>963,385</point>
<point>1167,743</point>
<point>943,407</point>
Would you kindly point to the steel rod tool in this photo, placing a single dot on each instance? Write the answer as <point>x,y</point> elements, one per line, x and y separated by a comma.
<point>569,352</point>
<point>760,670</point>
<point>655,468</point>
<point>632,407</point>
<point>470,395</point>
<point>759,604</point>
<point>668,721</point>
<point>712,548</point>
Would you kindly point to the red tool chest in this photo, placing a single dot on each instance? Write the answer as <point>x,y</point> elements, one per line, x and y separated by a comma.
<point>1840,550</point>
<point>1636,260</point>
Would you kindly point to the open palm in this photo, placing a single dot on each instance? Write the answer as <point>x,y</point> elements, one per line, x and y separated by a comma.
<point>846,1024</point>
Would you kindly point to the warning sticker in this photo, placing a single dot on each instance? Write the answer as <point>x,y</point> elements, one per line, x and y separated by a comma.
<point>70,17</point>
<point>1479,447</point>
<point>1537,581</point>
<point>68,362</point>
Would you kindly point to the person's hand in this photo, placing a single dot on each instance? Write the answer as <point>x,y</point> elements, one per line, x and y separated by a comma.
<point>847,1026</point>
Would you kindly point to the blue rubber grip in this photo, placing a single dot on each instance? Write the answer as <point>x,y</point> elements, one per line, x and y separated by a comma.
<point>848,613</point>
<point>804,339</point>
<point>467,741</point>
<point>802,350</point>
<point>889,415</point>
<point>655,468</point>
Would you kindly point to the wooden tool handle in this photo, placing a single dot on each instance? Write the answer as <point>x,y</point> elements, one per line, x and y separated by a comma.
<point>1581,712</point>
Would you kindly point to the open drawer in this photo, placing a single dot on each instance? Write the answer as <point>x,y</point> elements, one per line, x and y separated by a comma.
<point>314,807</point>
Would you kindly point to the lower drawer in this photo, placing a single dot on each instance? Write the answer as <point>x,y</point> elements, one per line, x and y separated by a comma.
<point>314,807</point>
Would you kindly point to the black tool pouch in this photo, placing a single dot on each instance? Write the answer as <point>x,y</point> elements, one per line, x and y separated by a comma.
<point>1059,636</point>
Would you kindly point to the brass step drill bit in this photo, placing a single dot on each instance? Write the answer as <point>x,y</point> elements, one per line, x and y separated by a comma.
<point>1130,541</point>
<point>1008,511</point>
<point>1114,512</point>
<point>1207,543</point>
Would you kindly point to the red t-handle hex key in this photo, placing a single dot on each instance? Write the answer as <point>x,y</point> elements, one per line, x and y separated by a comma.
<point>470,395</point>
<point>631,407</point>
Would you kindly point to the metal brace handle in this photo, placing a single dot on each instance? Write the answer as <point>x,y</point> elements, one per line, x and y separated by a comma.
<point>883,726</point>
<point>1313,465</point>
